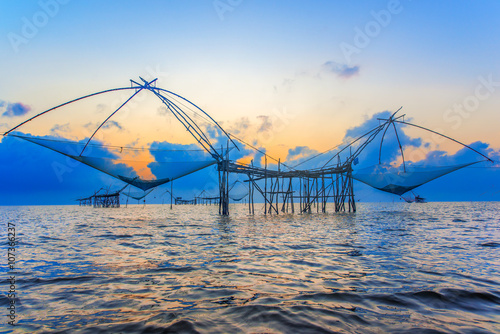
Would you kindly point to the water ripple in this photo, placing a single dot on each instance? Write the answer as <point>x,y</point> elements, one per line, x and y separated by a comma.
<point>389,268</point>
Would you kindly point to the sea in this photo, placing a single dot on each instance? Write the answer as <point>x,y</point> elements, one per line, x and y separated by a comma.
<point>387,268</point>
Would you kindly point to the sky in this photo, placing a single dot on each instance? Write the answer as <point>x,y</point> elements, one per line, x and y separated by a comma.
<point>291,77</point>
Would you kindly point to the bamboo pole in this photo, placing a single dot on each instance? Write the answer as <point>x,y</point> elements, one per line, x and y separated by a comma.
<point>265,184</point>
<point>253,189</point>
<point>323,203</point>
<point>317,196</point>
<point>278,186</point>
<point>300,194</point>
<point>249,193</point>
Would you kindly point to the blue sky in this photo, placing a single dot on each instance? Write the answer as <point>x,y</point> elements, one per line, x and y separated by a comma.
<point>281,74</point>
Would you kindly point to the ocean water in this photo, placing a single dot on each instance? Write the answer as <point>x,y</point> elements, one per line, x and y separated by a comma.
<point>388,268</point>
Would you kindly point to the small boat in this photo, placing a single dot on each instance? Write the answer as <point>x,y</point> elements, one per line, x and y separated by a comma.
<point>419,199</point>
<point>414,199</point>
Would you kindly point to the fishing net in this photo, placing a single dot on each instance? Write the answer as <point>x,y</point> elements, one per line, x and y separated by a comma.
<point>238,191</point>
<point>138,195</point>
<point>397,181</point>
<point>238,197</point>
<point>143,168</point>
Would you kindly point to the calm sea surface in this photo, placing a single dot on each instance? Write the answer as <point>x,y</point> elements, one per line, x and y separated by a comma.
<point>418,268</point>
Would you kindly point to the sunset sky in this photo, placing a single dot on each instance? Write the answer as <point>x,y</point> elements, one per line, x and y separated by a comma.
<point>284,75</point>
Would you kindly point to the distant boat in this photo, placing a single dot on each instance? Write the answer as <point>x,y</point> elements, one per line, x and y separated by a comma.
<point>419,199</point>
<point>414,199</point>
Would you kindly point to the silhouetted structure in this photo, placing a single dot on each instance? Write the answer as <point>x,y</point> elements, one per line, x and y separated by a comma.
<point>333,182</point>
<point>102,201</point>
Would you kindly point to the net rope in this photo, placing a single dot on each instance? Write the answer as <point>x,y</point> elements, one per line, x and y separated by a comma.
<point>109,160</point>
<point>395,180</point>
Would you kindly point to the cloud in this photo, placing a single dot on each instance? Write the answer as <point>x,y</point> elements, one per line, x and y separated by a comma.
<point>60,128</point>
<point>32,175</point>
<point>240,125</point>
<point>173,159</point>
<point>112,124</point>
<point>266,123</point>
<point>171,152</point>
<point>14,109</point>
<point>478,182</point>
<point>300,152</point>
<point>90,126</point>
<point>341,70</point>
<point>463,155</point>
<point>389,151</point>
<point>255,131</point>
<point>258,130</point>
<point>101,107</point>
<point>306,157</point>
<point>287,85</point>
<point>163,111</point>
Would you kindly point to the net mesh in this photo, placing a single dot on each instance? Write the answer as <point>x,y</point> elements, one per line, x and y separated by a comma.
<point>238,191</point>
<point>397,181</point>
<point>127,165</point>
<point>138,195</point>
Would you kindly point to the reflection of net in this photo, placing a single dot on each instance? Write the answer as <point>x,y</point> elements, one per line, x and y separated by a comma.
<point>238,197</point>
<point>238,191</point>
<point>137,194</point>
<point>394,180</point>
<point>105,160</point>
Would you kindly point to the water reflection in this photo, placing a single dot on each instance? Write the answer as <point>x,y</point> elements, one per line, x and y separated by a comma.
<point>385,268</point>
